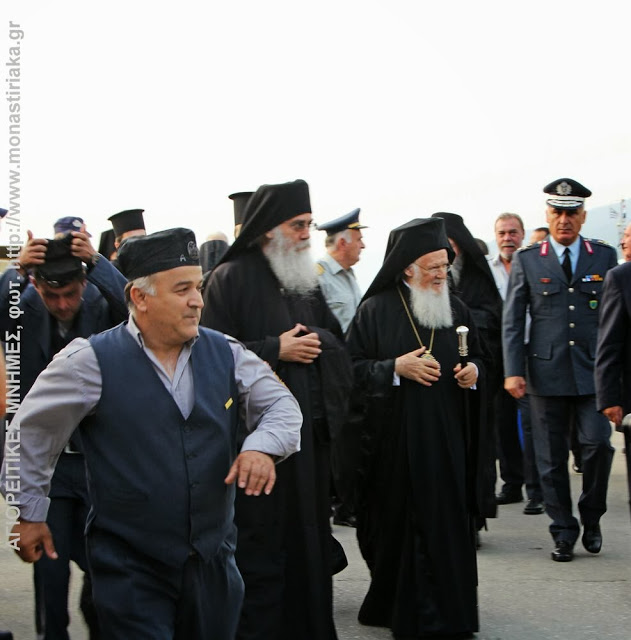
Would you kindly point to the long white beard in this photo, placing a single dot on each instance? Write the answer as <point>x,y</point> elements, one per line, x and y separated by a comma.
<point>432,309</point>
<point>291,263</point>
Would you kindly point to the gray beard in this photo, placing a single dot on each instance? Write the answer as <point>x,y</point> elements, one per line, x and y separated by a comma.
<point>432,309</point>
<point>292,264</point>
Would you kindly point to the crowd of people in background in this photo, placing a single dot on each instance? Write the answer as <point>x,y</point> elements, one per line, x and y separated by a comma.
<point>192,420</point>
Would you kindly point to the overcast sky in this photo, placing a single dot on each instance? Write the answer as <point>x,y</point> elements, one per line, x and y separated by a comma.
<point>402,108</point>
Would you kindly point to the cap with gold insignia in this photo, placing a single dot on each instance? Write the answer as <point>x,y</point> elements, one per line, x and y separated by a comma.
<point>348,221</point>
<point>143,255</point>
<point>566,193</point>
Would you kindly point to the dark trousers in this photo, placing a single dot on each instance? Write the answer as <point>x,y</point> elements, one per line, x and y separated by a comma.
<point>66,519</point>
<point>141,598</point>
<point>517,465</point>
<point>551,417</point>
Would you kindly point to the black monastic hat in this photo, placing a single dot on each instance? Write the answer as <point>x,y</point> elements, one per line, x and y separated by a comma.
<point>406,244</point>
<point>239,201</point>
<point>269,206</point>
<point>143,255</point>
<point>467,244</point>
<point>566,194</point>
<point>106,243</point>
<point>128,220</point>
<point>60,267</point>
<point>348,221</point>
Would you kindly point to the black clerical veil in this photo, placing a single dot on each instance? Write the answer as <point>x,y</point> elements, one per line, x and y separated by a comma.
<point>406,244</point>
<point>269,206</point>
<point>458,232</point>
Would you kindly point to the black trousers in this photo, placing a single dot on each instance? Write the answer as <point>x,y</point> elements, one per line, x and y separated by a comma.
<point>51,578</point>
<point>551,417</point>
<point>517,464</point>
<point>141,598</point>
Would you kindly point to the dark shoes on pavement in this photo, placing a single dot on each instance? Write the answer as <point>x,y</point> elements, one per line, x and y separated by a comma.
<point>533,507</point>
<point>509,496</point>
<point>592,541</point>
<point>563,551</point>
<point>592,538</point>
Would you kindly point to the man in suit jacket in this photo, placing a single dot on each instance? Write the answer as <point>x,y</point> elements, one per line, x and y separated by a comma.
<point>39,315</point>
<point>561,280</point>
<point>613,353</point>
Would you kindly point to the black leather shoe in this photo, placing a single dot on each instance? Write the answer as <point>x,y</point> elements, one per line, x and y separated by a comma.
<point>509,496</point>
<point>533,507</point>
<point>592,538</point>
<point>563,551</point>
<point>6,635</point>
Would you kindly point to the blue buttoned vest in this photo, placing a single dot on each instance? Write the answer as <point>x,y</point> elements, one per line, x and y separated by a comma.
<point>156,479</point>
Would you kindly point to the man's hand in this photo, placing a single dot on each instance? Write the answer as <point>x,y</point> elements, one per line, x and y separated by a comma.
<point>422,370</point>
<point>254,471</point>
<point>466,376</point>
<point>34,539</point>
<point>303,349</point>
<point>516,386</point>
<point>614,414</point>
<point>81,246</point>
<point>32,253</point>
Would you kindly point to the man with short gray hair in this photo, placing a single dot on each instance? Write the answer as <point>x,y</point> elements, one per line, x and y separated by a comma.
<point>344,243</point>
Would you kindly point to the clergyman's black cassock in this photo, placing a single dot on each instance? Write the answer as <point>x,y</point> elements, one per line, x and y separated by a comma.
<point>284,540</point>
<point>416,495</point>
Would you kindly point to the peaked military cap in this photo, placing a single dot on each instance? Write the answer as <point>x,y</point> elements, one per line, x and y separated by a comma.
<point>69,223</point>
<point>348,221</point>
<point>128,220</point>
<point>143,255</point>
<point>60,266</point>
<point>566,193</point>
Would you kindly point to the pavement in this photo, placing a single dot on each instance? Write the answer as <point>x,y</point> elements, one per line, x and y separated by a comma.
<point>523,594</point>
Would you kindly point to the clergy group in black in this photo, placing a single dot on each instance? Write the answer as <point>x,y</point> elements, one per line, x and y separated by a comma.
<point>413,381</point>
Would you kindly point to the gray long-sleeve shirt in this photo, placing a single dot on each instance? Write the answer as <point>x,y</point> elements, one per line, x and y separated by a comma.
<point>70,387</point>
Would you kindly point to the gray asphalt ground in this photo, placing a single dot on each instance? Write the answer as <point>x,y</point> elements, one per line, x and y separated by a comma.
<point>523,594</point>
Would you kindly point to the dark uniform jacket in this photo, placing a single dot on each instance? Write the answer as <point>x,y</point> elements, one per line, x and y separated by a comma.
<point>562,344</point>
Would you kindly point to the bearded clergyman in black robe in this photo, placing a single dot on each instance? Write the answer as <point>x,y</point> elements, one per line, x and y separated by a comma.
<point>416,496</point>
<point>265,293</point>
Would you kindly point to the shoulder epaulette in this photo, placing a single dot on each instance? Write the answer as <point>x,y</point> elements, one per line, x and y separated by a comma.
<point>530,246</point>
<point>597,241</point>
<point>319,269</point>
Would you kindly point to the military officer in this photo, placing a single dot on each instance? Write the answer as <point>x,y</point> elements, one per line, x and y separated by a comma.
<point>343,244</point>
<point>561,280</point>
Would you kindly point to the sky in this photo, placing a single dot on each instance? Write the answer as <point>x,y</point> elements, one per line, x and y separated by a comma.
<point>402,108</point>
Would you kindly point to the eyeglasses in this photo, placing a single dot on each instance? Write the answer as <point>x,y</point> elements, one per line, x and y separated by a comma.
<point>301,225</point>
<point>443,268</point>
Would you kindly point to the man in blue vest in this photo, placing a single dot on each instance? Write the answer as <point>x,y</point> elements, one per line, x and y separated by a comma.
<point>157,401</point>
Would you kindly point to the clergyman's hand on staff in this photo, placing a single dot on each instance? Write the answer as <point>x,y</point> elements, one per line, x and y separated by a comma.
<point>34,539</point>
<point>412,366</point>
<point>466,376</point>
<point>294,348</point>
<point>254,471</point>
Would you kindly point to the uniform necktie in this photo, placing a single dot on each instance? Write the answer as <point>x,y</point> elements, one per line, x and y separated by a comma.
<point>567,264</point>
